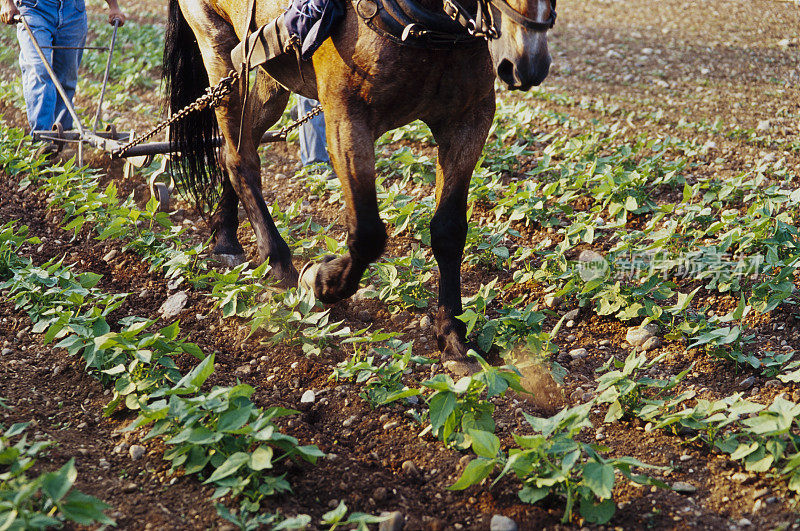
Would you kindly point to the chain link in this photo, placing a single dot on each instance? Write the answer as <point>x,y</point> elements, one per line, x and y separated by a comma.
<point>212,98</point>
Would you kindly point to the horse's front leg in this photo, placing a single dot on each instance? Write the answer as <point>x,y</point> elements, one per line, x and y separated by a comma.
<point>351,146</point>
<point>460,144</point>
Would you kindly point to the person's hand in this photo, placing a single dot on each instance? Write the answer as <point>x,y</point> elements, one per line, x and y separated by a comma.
<point>8,11</point>
<point>115,13</point>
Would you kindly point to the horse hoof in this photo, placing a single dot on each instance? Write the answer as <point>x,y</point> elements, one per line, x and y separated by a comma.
<point>462,367</point>
<point>231,260</point>
<point>308,276</point>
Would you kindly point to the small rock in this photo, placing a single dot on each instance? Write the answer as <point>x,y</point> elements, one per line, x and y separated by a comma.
<point>652,344</point>
<point>104,463</point>
<point>408,467</point>
<point>773,383</point>
<point>744,522</point>
<point>741,477</point>
<point>173,305</point>
<point>130,487</point>
<point>571,315</point>
<point>110,255</point>
<point>748,382</point>
<point>760,493</point>
<point>308,397</point>
<point>570,323</point>
<point>553,302</point>
<point>121,448</point>
<point>686,457</point>
<point>243,370</point>
<point>6,351</point>
<point>395,521</point>
<point>502,523</point>
<point>425,322</point>
<point>349,421</point>
<point>604,343</point>
<point>684,488</point>
<point>364,316</point>
<point>638,336</point>
<point>763,125</point>
<point>391,424</point>
<point>379,494</point>
<point>578,353</point>
<point>136,451</point>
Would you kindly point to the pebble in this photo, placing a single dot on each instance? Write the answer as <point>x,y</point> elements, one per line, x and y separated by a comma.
<point>425,322</point>
<point>395,521</point>
<point>130,487</point>
<point>604,343</point>
<point>578,353</point>
<point>552,302</point>
<point>308,397</point>
<point>136,451</point>
<point>110,255</point>
<point>502,523</point>
<point>349,421</point>
<point>572,315</point>
<point>683,487</point>
<point>744,522</point>
<point>6,351</point>
<point>741,477</point>
<point>391,424</point>
<point>173,305</point>
<point>748,382</point>
<point>637,336</point>
<point>685,457</point>
<point>364,316</point>
<point>652,344</point>
<point>104,463</point>
<point>760,493</point>
<point>571,338</point>
<point>121,448</point>
<point>408,467</point>
<point>379,494</point>
<point>243,370</point>
<point>773,383</point>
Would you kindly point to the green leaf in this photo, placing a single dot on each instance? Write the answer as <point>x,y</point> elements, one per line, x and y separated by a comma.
<point>484,444</point>
<point>336,515</point>
<point>599,478</point>
<point>197,376</point>
<point>533,494</point>
<point>441,405</point>
<point>84,509</point>
<point>229,467</point>
<point>56,484</point>
<point>261,458</point>
<point>476,471</point>
<point>597,513</point>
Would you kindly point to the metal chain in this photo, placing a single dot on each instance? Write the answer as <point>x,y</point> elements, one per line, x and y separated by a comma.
<point>300,121</point>
<point>212,98</point>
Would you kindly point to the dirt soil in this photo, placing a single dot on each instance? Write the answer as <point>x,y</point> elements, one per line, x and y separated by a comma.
<point>682,61</point>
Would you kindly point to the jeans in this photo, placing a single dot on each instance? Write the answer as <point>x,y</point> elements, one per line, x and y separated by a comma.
<point>53,23</point>
<point>313,147</point>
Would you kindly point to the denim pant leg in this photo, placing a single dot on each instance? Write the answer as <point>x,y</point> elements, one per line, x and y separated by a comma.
<point>37,88</point>
<point>313,147</point>
<point>71,33</point>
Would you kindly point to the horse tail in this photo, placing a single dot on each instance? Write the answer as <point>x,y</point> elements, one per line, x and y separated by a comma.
<point>197,168</point>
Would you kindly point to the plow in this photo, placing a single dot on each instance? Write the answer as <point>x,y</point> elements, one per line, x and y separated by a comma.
<point>138,150</point>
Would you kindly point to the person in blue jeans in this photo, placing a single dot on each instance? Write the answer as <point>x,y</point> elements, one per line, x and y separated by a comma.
<point>59,27</point>
<point>313,147</point>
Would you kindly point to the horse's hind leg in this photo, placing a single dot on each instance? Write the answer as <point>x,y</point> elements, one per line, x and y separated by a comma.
<point>267,102</point>
<point>351,145</point>
<point>216,38</point>
<point>460,144</point>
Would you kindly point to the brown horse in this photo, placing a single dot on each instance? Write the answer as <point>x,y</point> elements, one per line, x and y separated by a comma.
<point>367,85</point>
